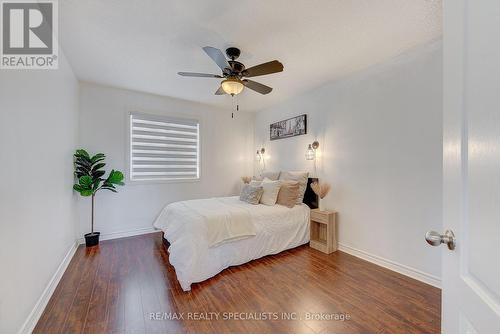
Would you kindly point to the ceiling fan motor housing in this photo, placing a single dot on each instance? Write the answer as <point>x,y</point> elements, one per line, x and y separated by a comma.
<point>236,66</point>
<point>233,53</point>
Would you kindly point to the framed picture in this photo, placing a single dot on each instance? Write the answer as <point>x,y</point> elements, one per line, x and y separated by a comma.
<point>291,127</point>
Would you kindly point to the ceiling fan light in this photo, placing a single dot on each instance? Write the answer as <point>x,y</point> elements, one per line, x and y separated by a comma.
<point>232,86</point>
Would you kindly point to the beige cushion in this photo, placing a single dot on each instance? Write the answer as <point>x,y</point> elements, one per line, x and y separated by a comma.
<point>289,191</point>
<point>273,176</point>
<point>251,194</point>
<point>271,189</point>
<point>301,178</point>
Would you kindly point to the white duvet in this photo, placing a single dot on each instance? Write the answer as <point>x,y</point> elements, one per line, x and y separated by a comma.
<point>224,221</point>
<point>186,226</point>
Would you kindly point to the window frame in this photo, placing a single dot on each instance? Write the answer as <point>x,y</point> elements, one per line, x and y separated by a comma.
<point>161,117</point>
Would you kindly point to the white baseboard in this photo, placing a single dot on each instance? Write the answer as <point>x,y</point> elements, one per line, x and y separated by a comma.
<point>123,234</point>
<point>392,265</point>
<point>42,302</point>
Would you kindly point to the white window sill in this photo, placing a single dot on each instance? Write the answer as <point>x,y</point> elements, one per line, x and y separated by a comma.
<point>153,182</point>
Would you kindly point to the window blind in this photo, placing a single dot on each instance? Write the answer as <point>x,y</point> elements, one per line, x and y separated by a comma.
<point>164,148</point>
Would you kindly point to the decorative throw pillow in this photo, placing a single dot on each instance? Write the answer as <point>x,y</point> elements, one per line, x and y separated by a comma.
<point>301,178</point>
<point>273,176</point>
<point>255,183</point>
<point>251,194</point>
<point>288,193</point>
<point>271,189</point>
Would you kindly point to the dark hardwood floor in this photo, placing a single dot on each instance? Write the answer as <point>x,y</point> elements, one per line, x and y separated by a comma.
<point>120,285</point>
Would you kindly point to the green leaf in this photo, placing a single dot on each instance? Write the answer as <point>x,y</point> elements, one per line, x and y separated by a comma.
<point>96,184</point>
<point>83,164</point>
<point>97,174</point>
<point>83,191</point>
<point>98,166</point>
<point>83,153</point>
<point>96,161</point>
<point>81,156</point>
<point>97,157</point>
<point>107,185</point>
<point>115,177</point>
<point>79,173</point>
<point>85,181</point>
<point>86,193</point>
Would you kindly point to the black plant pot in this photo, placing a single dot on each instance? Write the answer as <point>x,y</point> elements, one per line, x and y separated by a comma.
<point>92,239</point>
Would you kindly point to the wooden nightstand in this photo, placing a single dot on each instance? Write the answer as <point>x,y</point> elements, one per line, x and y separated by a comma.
<point>323,231</point>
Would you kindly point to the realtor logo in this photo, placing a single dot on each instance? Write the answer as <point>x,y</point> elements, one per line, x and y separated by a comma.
<point>29,34</point>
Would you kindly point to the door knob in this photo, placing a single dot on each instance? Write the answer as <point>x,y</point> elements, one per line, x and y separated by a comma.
<point>433,238</point>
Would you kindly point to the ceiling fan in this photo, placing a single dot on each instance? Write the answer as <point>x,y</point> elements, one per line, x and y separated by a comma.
<point>234,72</point>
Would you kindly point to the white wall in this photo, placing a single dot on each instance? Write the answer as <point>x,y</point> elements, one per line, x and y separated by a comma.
<point>380,149</point>
<point>226,144</point>
<point>38,133</point>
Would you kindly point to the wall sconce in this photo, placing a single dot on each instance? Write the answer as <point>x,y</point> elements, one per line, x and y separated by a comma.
<point>260,158</point>
<point>311,154</point>
<point>260,154</point>
<point>311,150</point>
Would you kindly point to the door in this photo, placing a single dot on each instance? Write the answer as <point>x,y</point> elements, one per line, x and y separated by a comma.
<point>471,166</point>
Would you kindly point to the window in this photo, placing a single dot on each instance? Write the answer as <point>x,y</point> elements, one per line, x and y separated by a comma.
<point>164,148</point>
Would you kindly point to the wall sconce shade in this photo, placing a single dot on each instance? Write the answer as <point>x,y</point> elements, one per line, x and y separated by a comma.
<point>261,159</point>
<point>310,153</point>
<point>311,150</point>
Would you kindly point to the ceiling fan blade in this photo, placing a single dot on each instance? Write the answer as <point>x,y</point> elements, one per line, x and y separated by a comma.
<point>263,69</point>
<point>258,87</point>
<point>220,91</point>
<point>198,75</point>
<point>217,56</point>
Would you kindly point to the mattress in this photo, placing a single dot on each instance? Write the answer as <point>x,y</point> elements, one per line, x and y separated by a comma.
<point>277,228</point>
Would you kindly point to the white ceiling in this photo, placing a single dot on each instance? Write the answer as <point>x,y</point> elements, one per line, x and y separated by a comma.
<point>141,45</point>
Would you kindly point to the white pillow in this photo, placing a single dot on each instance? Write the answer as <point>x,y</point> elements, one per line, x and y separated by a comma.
<point>271,190</point>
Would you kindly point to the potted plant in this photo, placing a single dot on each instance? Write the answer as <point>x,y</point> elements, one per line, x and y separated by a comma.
<point>89,172</point>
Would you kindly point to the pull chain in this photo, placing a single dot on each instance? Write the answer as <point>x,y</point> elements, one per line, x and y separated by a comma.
<point>235,101</point>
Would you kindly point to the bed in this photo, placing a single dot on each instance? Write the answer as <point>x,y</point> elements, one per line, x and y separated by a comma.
<point>197,256</point>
